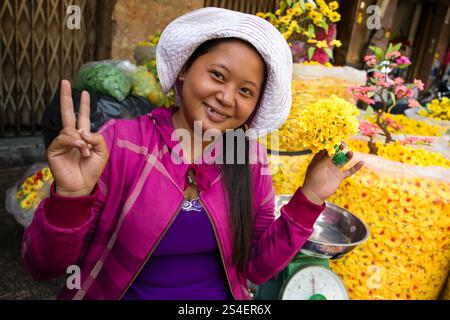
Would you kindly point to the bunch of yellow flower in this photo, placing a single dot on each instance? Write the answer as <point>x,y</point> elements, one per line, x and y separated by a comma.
<point>153,92</point>
<point>297,20</point>
<point>437,109</point>
<point>411,126</point>
<point>396,151</point>
<point>152,40</point>
<point>408,253</point>
<point>27,195</point>
<point>304,93</point>
<point>325,123</point>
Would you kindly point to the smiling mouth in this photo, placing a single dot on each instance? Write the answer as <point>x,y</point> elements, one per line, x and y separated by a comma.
<point>216,115</point>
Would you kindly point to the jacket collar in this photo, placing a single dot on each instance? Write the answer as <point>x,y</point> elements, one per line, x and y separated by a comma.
<point>205,174</point>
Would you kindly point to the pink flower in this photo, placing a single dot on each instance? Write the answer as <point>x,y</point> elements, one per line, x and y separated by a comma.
<point>391,123</point>
<point>384,84</point>
<point>320,56</point>
<point>368,129</point>
<point>398,81</point>
<point>417,140</point>
<point>419,84</point>
<point>378,75</point>
<point>403,60</point>
<point>400,91</point>
<point>370,60</point>
<point>364,98</point>
<point>371,63</point>
<point>394,54</point>
<point>413,103</point>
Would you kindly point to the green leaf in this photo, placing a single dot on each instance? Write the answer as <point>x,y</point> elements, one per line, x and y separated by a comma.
<point>272,16</point>
<point>394,101</point>
<point>370,94</point>
<point>329,52</point>
<point>311,32</point>
<point>283,6</point>
<point>311,52</point>
<point>389,49</point>
<point>403,66</point>
<point>289,2</point>
<point>397,47</point>
<point>302,4</point>
<point>370,110</point>
<point>325,25</point>
<point>378,52</point>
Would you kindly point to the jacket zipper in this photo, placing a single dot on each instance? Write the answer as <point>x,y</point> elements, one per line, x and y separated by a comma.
<point>218,244</point>
<point>151,251</point>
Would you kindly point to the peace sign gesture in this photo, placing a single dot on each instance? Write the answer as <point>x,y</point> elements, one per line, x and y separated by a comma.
<point>76,157</point>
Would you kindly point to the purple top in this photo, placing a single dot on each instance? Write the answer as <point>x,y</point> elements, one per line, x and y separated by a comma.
<point>186,265</point>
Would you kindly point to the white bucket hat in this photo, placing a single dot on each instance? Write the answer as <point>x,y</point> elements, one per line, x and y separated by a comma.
<point>183,35</point>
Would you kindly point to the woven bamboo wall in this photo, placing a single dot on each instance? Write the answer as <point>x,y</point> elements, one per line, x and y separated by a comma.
<point>36,51</point>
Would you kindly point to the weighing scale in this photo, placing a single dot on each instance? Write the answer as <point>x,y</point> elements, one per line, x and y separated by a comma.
<point>308,276</point>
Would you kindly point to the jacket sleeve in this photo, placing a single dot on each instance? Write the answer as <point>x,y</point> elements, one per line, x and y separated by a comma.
<point>62,226</point>
<point>275,242</point>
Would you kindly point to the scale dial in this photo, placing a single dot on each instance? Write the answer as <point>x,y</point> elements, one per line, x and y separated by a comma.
<point>314,283</point>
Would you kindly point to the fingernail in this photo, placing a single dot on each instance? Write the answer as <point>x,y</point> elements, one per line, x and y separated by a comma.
<point>86,153</point>
<point>80,143</point>
<point>89,135</point>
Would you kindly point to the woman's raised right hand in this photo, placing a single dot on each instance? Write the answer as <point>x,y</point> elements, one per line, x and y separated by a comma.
<point>76,157</point>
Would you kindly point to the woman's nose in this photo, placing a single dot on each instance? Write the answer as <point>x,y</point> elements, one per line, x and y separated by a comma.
<point>226,97</point>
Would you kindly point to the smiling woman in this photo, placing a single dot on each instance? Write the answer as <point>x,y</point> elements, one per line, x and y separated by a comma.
<point>145,227</point>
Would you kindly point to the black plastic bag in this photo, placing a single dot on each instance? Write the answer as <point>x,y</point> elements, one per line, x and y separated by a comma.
<point>103,108</point>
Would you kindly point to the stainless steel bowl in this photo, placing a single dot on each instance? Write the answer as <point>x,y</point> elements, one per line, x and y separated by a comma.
<point>336,232</point>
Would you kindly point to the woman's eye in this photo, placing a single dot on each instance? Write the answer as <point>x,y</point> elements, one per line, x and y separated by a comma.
<point>217,75</point>
<point>247,91</point>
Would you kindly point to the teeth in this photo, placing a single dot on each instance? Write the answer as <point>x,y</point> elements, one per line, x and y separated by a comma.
<point>211,109</point>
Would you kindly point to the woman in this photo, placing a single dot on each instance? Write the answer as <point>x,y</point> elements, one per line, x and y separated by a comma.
<point>141,224</point>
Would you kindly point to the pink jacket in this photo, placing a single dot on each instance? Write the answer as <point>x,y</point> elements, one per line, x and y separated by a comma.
<point>112,233</point>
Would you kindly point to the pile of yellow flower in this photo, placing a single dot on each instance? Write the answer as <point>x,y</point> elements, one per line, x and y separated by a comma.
<point>411,126</point>
<point>315,63</point>
<point>288,172</point>
<point>396,151</point>
<point>296,20</point>
<point>27,194</point>
<point>408,253</point>
<point>437,109</point>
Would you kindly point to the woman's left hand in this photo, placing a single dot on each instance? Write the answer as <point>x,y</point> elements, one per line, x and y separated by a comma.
<point>323,177</point>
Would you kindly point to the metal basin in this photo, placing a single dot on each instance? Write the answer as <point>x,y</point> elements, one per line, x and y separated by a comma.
<point>336,232</point>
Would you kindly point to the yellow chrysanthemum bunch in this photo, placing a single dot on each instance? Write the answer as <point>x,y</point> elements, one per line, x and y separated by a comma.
<point>325,123</point>
<point>411,126</point>
<point>396,151</point>
<point>146,86</point>
<point>437,109</point>
<point>152,40</point>
<point>27,195</point>
<point>297,20</point>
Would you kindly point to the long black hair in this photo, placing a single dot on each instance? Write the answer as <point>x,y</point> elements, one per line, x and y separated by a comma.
<point>236,176</point>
